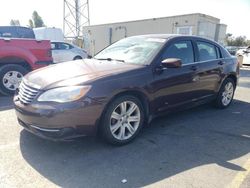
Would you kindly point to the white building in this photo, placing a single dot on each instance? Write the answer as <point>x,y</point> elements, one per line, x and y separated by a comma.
<point>97,37</point>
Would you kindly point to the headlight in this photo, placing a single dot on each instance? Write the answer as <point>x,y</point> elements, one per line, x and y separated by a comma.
<point>64,94</point>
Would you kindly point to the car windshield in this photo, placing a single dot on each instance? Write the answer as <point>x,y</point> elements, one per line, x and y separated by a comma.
<point>135,50</point>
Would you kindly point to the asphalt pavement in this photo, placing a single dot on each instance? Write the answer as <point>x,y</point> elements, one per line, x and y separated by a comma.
<point>200,147</point>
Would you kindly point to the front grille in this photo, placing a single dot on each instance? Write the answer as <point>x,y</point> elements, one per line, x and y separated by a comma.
<point>26,93</point>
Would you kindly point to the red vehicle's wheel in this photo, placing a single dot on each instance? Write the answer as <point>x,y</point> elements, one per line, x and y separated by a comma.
<point>10,78</point>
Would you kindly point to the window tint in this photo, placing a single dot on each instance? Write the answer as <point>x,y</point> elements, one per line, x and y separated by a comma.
<point>16,32</point>
<point>25,32</point>
<point>182,50</point>
<point>206,51</point>
<point>64,46</point>
<point>218,52</point>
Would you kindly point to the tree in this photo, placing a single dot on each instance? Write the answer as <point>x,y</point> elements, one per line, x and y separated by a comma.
<point>240,41</point>
<point>31,25</point>
<point>236,41</point>
<point>228,38</point>
<point>36,20</point>
<point>14,22</point>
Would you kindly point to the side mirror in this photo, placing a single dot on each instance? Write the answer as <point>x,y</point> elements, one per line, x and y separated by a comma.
<point>171,63</point>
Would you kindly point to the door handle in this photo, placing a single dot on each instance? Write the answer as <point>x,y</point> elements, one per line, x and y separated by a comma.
<point>221,63</point>
<point>159,70</point>
<point>193,68</point>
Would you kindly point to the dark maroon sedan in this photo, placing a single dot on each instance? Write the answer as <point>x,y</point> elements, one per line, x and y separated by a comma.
<point>125,86</point>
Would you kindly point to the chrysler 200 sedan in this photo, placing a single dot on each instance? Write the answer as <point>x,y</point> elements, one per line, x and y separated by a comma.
<point>125,86</point>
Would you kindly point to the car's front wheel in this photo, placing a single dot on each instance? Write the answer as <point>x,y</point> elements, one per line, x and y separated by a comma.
<point>226,93</point>
<point>122,120</point>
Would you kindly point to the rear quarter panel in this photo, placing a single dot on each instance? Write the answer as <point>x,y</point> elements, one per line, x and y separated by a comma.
<point>230,68</point>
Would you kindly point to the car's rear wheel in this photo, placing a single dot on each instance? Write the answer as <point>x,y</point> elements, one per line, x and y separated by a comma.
<point>226,93</point>
<point>10,78</point>
<point>122,120</point>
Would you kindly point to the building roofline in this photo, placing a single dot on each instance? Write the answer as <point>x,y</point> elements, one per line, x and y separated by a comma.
<point>159,18</point>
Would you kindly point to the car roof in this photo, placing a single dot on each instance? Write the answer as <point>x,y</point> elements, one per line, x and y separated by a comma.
<point>163,36</point>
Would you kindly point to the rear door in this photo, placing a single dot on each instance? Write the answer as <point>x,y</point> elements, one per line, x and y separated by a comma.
<point>211,64</point>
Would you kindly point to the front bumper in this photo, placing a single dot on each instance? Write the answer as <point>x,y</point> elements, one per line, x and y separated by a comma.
<point>61,134</point>
<point>59,121</point>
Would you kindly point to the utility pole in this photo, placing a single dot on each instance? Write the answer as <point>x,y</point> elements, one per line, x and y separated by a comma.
<point>75,16</point>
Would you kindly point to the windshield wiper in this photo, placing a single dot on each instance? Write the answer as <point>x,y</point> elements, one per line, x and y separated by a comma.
<point>110,59</point>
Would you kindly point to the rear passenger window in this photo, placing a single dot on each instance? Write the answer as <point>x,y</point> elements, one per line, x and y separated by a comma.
<point>64,46</point>
<point>182,50</point>
<point>207,51</point>
<point>218,52</point>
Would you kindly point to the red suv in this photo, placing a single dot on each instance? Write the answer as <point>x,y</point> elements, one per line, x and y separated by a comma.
<point>18,57</point>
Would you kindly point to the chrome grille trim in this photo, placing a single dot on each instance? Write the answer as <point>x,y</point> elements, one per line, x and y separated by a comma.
<point>28,88</point>
<point>26,93</point>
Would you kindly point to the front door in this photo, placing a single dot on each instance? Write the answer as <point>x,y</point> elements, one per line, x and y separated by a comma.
<point>176,86</point>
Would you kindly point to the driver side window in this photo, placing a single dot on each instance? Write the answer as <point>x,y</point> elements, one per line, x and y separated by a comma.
<point>182,50</point>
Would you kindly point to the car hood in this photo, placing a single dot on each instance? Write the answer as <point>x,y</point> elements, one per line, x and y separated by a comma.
<point>75,72</point>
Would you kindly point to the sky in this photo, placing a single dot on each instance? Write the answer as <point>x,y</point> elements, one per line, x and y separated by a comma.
<point>234,13</point>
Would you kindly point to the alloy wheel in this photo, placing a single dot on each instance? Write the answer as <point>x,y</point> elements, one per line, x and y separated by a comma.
<point>227,94</point>
<point>125,120</point>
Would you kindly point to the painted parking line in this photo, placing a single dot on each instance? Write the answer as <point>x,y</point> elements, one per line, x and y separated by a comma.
<point>241,176</point>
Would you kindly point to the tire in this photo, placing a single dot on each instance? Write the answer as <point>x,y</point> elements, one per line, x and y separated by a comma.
<point>225,95</point>
<point>77,58</point>
<point>113,119</point>
<point>10,78</point>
